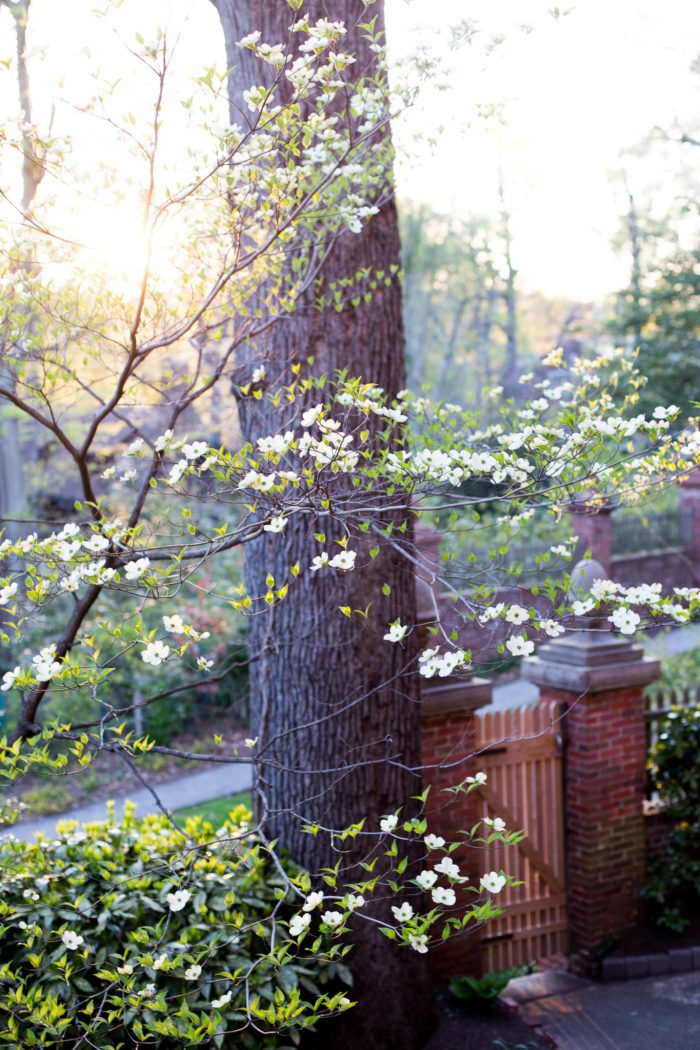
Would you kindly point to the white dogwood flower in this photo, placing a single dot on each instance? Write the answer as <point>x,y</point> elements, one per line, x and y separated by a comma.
<point>434,841</point>
<point>276,524</point>
<point>178,899</point>
<point>426,879</point>
<point>173,624</point>
<point>345,561</point>
<point>492,882</point>
<point>320,561</point>
<point>298,924</point>
<point>9,679</point>
<point>134,570</point>
<point>155,653</point>
<point>71,939</point>
<point>442,895</point>
<point>519,646</point>
<point>419,942</point>
<point>626,620</point>
<point>224,1000</point>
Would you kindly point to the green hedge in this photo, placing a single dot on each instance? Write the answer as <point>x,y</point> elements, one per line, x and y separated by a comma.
<point>90,944</point>
<point>673,884</point>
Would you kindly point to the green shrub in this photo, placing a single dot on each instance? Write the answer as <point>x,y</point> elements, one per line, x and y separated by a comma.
<point>675,772</point>
<point>486,989</point>
<point>91,944</point>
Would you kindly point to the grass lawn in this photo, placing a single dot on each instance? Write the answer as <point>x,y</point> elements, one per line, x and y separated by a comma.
<point>217,809</point>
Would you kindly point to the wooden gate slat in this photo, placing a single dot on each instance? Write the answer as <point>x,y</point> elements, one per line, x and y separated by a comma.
<point>520,753</point>
<point>500,809</point>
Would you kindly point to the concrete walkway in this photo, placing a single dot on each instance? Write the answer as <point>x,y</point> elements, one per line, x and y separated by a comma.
<point>671,643</point>
<point>228,780</point>
<point>654,1013</point>
<point>668,643</point>
<point>175,794</point>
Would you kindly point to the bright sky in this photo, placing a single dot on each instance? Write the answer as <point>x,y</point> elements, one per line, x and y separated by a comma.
<point>573,93</point>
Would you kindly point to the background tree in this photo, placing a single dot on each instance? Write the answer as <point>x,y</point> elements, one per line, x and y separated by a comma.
<point>657,314</point>
<point>452,302</point>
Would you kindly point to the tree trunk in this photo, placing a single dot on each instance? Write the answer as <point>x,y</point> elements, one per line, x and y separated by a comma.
<point>635,270</point>
<point>510,369</point>
<point>336,713</point>
<point>12,494</point>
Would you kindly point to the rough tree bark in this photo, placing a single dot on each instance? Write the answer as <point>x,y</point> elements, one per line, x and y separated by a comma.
<point>336,714</point>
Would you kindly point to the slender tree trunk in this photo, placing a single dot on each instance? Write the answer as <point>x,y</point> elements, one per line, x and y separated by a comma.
<point>12,494</point>
<point>635,269</point>
<point>336,714</point>
<point>510,369</point>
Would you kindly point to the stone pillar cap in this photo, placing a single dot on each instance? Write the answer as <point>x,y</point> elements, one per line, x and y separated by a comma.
<point>454,695</point>
<point>590,662</point>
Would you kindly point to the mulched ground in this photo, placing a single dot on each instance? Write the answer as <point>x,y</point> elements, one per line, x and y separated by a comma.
<point>646,938</point>
<point>496,1027</point>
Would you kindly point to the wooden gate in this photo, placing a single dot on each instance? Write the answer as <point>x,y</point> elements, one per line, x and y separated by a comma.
<point>521,751</point>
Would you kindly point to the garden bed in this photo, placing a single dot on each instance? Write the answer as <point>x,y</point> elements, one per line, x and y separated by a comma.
<point>648,950</point>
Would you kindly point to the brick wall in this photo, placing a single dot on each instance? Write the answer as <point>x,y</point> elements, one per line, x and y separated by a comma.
<point>671,568</point>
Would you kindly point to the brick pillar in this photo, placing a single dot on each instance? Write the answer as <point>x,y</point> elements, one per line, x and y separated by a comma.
<point>600,678</point>
<point>593,526</point>
<point>448,714</point>
<point>690,522</point>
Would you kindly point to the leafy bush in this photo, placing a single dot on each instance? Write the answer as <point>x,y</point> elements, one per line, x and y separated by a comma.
<point>677,671</point>
<point>675,772</point>
<point>486,989</point>
<point>115,935</point>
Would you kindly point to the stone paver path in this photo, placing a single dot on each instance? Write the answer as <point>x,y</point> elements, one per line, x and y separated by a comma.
<point>654,1013</point>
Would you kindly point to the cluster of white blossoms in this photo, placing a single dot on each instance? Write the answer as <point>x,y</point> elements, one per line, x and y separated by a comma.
<point>344,560</point>
<point>432,662</point>
<point>333,154</point>
<point>457,466</point>
<point>440,880</point>
<point>331,450</point>
<point>330,919</point>
<point>443,896</point>
<point>44,666</point>
<point>370,402</point>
